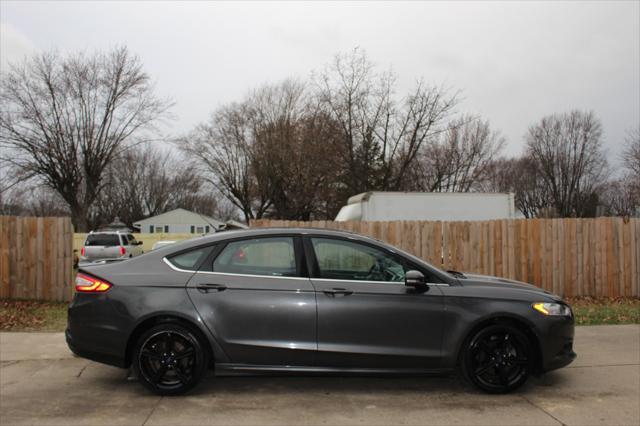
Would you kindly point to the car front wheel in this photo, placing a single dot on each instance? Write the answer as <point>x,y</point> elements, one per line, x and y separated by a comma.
<point>170,359</point>
<point>498,358</point>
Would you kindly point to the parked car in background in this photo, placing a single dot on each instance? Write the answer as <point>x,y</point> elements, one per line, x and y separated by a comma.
<point>310,301</point>
<point>162,243</point>
<point>110,245</point>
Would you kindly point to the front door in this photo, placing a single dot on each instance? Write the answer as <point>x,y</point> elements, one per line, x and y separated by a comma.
<point>367,317</point>
<point>256,303</point>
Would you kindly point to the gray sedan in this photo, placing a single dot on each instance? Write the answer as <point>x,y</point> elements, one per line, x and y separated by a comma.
<point>310,301</point>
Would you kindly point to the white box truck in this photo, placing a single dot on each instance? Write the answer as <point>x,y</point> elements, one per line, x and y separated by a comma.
<point>385,206</point>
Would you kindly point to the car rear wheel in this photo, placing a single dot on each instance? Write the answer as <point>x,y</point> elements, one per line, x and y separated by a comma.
<point>498,358</point>
<point>170,359</point>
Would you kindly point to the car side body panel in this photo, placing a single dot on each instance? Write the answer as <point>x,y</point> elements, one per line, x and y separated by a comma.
<point>379,325</point>
<point>269,323</point>
<point>100,325</point>
<point>258,319</point>
<point>475,303</point>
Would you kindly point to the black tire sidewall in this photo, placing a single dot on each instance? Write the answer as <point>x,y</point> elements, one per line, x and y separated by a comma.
<point>201,358</point>
<point>467,363</point>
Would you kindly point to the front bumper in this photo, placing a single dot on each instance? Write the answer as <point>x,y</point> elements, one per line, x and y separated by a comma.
<point>556,341</point>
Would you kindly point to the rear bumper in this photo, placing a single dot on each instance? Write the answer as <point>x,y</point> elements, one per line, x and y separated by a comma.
<point>94,330</point>
<point>91,354</point>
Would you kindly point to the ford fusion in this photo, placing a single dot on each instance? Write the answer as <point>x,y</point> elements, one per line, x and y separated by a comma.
<point>310,301</point>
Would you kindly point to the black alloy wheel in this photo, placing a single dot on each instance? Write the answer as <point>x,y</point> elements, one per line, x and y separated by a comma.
<point>498,359</point>
<point>170,359</point>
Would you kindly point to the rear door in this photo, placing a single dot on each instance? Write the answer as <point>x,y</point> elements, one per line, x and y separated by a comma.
<point>254,296</point>
<point>367,317</point>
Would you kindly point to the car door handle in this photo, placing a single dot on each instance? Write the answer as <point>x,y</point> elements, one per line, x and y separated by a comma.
<point>336,291</point>
<point>207,287</point>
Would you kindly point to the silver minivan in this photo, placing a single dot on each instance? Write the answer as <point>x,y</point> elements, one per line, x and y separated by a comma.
<point>110,245</point>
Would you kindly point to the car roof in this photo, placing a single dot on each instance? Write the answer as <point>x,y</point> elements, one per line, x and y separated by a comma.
<point>256,232</point>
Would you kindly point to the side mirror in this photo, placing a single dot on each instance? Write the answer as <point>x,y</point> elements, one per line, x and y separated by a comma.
<point>414,279</point>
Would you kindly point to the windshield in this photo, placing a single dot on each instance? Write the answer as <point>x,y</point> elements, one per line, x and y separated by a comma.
<point>102,240</point>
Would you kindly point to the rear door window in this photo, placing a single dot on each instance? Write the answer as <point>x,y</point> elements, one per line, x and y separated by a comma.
<point>108,240</point>
<point>272,256</point>
<point>189,260</point>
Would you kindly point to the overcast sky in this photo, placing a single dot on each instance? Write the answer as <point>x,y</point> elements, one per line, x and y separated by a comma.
<point>514,61</point>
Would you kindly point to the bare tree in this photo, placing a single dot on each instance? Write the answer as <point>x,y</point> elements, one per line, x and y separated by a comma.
<point>620,198</point>
<point>29,199</point>
<point>568,156</point>
<point>64,120</point>
<point>631,154</point>
<point>269,154</point>
<point>380,135</point>
<point>622,195</point>
<point>459,159</point>
<point>144,181</point>
<point>222,151</point>
<point>294,150</point>
<point>521,177</point>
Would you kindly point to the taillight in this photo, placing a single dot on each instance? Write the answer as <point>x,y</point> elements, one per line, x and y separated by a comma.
<point>89,284</point>
<point>122,251</point>
<point>82,252</point>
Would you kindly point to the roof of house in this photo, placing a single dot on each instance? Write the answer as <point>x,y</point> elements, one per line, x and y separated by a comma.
<point>179,217</point>
<point>234,224</point>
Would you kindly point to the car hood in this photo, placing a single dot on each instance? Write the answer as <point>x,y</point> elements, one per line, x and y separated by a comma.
<point>475,280</point>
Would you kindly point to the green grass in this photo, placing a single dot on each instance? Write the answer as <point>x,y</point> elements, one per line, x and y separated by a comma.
<point>590,311</point>
<point>28,315</point>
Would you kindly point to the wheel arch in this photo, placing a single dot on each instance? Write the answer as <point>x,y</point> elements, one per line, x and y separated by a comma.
<point>521,323</point>
<point>215,352</point>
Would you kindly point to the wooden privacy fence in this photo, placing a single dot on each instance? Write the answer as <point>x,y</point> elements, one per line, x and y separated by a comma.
<point>570,257</point>
<point>36,258</point>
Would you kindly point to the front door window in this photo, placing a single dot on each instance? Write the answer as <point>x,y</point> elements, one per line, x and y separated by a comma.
<point>346,260</point>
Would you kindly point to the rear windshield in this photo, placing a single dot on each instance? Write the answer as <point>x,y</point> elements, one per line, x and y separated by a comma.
<point>102,240</point>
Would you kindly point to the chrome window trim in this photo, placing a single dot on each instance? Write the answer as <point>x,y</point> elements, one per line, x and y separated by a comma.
<point>372,282</point>
<point>175,268</point>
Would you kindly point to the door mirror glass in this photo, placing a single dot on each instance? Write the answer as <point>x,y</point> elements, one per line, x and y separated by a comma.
<point>414,279</point>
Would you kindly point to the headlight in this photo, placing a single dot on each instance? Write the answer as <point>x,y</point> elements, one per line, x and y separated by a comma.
<point>553,309</point>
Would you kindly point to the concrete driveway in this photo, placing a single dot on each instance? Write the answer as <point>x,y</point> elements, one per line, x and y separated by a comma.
<point>42,383</point>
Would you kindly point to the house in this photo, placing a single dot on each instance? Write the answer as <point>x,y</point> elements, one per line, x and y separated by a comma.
<point>179,221</point>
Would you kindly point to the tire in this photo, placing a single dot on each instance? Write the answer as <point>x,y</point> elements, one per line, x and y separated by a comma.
<point>170,359</point>
<point>498,359</point>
